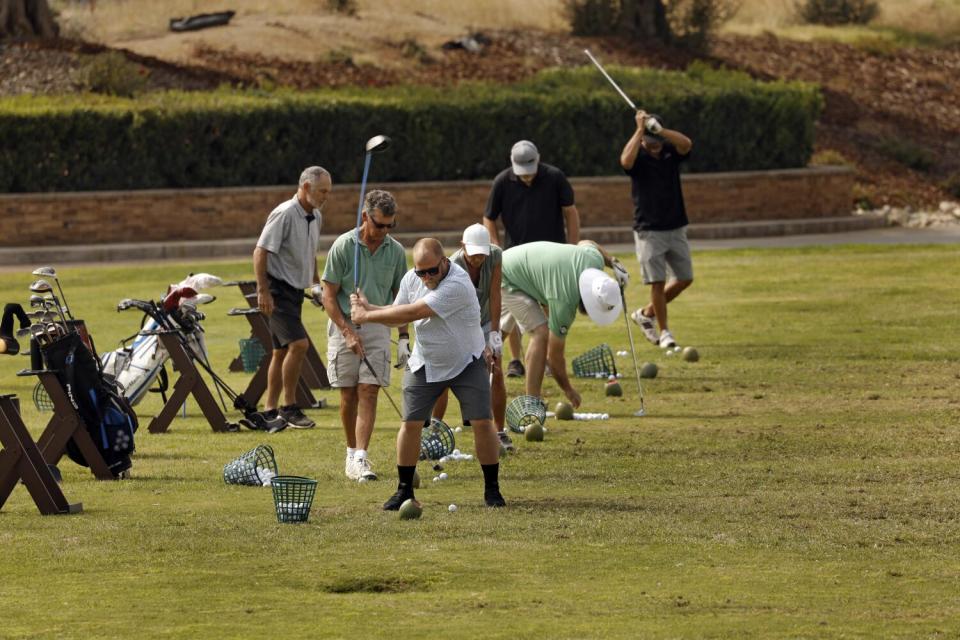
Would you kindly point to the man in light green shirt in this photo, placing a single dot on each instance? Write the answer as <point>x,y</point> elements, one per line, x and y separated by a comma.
<point>382,264</point>
<point>563,278</point>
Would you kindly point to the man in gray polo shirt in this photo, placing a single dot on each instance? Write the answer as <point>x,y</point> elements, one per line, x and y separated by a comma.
<point>382,263</point>
<point>449,353</point>
<point>285,263</point>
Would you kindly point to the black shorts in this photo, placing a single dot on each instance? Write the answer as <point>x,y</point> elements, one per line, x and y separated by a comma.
<point>286,325</point>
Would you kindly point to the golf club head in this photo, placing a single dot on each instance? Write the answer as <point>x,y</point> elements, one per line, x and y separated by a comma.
<point>41,286</point>
<point>377,144</point>
<point>45,272</point>
<point>37,301</point>
<point>639,413</point>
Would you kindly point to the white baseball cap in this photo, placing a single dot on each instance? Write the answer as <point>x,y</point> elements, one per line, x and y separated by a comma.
<point>525,158</point>
<point>601,296</point>
<point>476,239</point>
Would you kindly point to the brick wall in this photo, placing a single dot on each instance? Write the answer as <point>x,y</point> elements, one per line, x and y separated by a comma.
<point>42,219</point>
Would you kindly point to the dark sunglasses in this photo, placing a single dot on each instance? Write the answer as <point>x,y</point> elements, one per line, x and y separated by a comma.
<point>380,225</point>
<point>432,271</point>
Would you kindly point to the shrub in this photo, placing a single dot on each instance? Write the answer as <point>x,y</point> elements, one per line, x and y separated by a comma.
<point>226,138</point>
<point>592,17</point>
<point>112,74</point>
<point>952,185</point>
<point>907,153</point>
<point>829,157</point>
<point>833,12</point>
<point>694,23</point>
<point>346,7</point>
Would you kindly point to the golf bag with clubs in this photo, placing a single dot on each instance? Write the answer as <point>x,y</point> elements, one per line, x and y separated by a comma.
<point>137,366</point>
<point>108,417</point>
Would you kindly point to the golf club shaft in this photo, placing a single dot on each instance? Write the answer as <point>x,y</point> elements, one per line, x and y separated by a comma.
<point>63,297</point>
<point>382,387</point>
<point>356,247</point>
<point>607,76</point>
<point>633,351</point>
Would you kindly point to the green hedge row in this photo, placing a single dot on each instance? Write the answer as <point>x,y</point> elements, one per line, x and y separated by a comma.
<point>228,138</point>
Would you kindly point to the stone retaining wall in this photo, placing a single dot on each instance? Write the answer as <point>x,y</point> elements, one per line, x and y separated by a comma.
<point>44,219</point>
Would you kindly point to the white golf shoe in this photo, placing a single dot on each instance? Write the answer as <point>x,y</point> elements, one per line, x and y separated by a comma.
<point>348,468</point>
<point>363,470</point>
<point>648,325</point>
<point>666,340</point>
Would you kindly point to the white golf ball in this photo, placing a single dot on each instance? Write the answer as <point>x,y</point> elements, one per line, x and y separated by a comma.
<point>443,476</point>
<point>669,352</point>
<point>458,429</point>
<point>456,452</point>
<point>436,478</point>
<point>362,480</point>
<point>452,508</point>
<point>676,349</point>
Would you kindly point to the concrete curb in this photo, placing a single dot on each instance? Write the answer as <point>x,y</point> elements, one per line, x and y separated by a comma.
<point>243,247</point>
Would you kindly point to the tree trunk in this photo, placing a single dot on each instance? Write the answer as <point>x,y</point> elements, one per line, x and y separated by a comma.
<point>644,19</point>
<point>26,19</point>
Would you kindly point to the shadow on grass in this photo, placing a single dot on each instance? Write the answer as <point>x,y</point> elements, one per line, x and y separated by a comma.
<point>577,504</point>
<point>374,584</point>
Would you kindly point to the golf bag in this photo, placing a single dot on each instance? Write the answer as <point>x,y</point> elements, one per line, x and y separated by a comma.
<point>8,343</point>
<point>137,366</point>
<point>108,417</point>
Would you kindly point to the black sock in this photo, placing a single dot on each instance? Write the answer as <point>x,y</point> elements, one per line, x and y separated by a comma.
<point>491,474</point>
<point>406,478</point>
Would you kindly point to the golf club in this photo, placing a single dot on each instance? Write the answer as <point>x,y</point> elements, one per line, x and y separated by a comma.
<point>642,411</point>
<point>375,144</point>
<point>50,272</point>
<point>607,76</point>
<point>42,286</point>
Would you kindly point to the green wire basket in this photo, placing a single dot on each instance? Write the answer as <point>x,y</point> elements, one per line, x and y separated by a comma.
<point>523,411</point>
<point>41,400</point>
<point>595,363</point>
<point>293,497</point>
<point>436,440</point>
<point>255,468</point>
<point>251,354</point>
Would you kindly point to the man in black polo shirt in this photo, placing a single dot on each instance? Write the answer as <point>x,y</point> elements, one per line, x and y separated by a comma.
<point>652,158</point>
<point>535,202</point>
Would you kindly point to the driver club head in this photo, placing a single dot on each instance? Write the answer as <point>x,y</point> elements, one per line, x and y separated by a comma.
<point>45,272</point>
<point>41,286</point>
<point>377,143</point>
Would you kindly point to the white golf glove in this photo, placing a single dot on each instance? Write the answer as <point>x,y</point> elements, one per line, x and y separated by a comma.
<point>653,126</point>
<point>403,352</point>
<point>316,295</point>
<point>620,273</point>
<point>495,343</point>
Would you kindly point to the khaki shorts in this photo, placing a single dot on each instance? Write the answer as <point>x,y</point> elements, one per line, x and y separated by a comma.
<point>519,309</point>
<point>663,254</point>
<point>346,369</point>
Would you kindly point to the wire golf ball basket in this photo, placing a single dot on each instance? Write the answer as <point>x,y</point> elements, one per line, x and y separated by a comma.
<point>595,363</point>
<point>436,440</point>
<point>255,468</point>
<point>41,400</point>
<point>524,411</point>
<point>251,354</point>
<point>293,497</point>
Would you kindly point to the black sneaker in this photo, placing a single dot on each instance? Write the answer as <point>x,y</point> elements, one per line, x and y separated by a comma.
<point>295,418</point>
<point>493,498</point>
<point>505,440</point>
<point>515,369</point>
<point>269,421</point>
<point>402,495</point>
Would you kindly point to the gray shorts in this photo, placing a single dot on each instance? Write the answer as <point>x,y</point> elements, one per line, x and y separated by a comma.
<point>663,254</point>
<point>346,369</point>
<point>520,309</point>
<point>471,386</point>
<point>286,324</point>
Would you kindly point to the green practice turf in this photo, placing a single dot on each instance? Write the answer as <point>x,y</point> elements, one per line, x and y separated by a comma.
<point>800,481</point>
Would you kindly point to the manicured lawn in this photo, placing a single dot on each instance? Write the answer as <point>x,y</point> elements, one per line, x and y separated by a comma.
<point>801,480</point>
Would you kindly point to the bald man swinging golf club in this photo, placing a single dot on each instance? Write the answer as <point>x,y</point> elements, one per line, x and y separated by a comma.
<point>449,353</point>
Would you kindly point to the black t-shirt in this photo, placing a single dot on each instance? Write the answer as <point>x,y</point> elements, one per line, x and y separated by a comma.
<point>655,187</point>
<point>531,213</point>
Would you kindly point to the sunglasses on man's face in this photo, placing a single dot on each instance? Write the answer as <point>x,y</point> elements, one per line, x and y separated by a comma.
<point>432,271</point>
<point>380,225</point>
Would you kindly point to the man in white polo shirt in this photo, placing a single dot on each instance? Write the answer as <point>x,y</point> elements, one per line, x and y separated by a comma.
<point>449,353</point>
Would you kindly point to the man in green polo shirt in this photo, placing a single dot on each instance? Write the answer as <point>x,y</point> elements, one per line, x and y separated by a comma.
<point>563,278</point>
<point>382,264</point>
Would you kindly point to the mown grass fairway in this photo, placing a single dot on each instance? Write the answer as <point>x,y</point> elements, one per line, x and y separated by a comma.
<point>801,480</point>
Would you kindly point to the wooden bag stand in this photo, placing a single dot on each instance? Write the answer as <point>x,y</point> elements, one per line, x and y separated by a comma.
<point>313,372</point>
<point>190,382</point>
<point>258,384</point>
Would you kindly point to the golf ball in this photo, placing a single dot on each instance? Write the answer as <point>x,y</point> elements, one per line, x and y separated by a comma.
<point>458,430</point>
<point>436,478</point>
<point>362,480</point>
<point>443,476</point>
<point>456,452</point>
<point>676,349</point>
<point>452,508</point>
<point>669,352</point>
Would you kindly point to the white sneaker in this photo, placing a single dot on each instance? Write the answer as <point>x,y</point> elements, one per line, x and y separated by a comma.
<point>364,471</point>
<point>348,468</point>
<point>666,340</point>
<point>648,325</point>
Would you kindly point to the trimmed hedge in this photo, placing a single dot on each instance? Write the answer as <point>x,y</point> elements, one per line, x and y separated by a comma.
<point>227,138</point>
